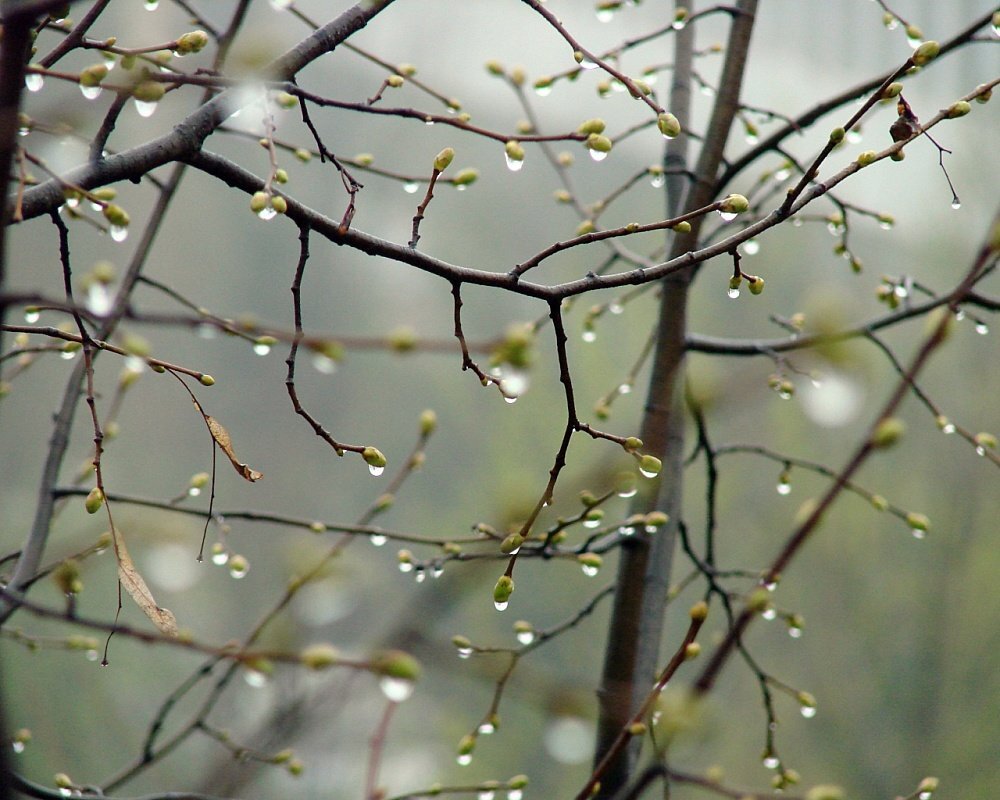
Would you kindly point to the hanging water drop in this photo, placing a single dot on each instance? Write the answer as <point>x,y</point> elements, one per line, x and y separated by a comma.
<point>597,155</point>
<point>464,652</point>
<point>119,233</point>
<point>33,82</point>
<point>464,759</point>
<point>543,90</point>
<point>770,762</point>
<point>514,164</point>
<point>487,794</point>
<point>145,108</point>
<point>254,678</point>
<point>589,336</point>
<point>590,570</point>
<point>267,213</point>
<point>261,348</point>
<point>324,364</point>
<point>486,728</point>
<point>920,533</point>
<point>420,575</point>
<point>525,637</point>
<point>586,63</point>
<point>982,328</point>
<point>628,492</point>
<point>238,567</point>
<point>281,5</point>
<point>854,136</point>
<point>501,606</point>
<point>152,5</point>
<point>32,315</point>
<point>437,571</point>
<point>784,488</point>
<point>616,307</point>
<point>795,632</point>
<point>948,428</point>
<point>658,181</point>
<point>219,557</point>
<point>17,746</point>
<point>605,15</point>
<point>733,292</point>
<point>751,247</point>
<point>592,523</point>
<point>376,471</point>
<point>395,689</point>
<point>648,473</point>
<point>410,187</point>
<point>90,92</point>
<point>808,711</point>
<point>405,566</point>
<point>769,613</point>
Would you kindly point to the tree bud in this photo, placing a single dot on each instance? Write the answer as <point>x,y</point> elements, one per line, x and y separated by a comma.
<point>734,204</point>
<point>397,664</point>
<point>511,543</point>
<point>94,501</point>
<point>373,457</point>
<point>925,53</point>
<point>444,158</point>
<point>319,656</point>
<point>591,126</point>
<point>149,91</point>
<point>958,109</point>
<point>668,125</point>
<point>191,43</point>
<point>465,177</point>
<point>888,432</point>
<point>503,589</point>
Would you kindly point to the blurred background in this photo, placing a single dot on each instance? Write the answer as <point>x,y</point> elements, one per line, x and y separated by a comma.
<point>900,638</point>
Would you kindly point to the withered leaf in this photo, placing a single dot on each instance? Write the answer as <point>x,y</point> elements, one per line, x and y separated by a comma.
<point>134,584</point>
<point>221,436</point>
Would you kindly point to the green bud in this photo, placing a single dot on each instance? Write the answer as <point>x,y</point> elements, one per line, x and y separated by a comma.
<point>397,664</point>
<point>465,177</point>
<point>494,68</point>
<point>295,767</point>
<point>637,729</point>
<point>67,577</point>
<point>899,155</point>
<point>373,457</point>
<point>443,159</point>
<point>699,611</point>
<point>280,176</point>
<point>93,75</point>
<point>592,560</point>
<point>983,93</point>
<point>517,782</point>
<point>692,650</point>
<point>116,215</point>
<point>62,780</point>
<point>879,503</point>
<point>259,201</point>
<point>755,284</point>
<point>149,91</point>
<point>825,792</point>
<point>319,656</point>
<point>585,227</point>
<point>806,699</point>
<point>94,501</point>
<point>632,443</point>
<point>668,125</point>
<point>931,784</point>
<point>395,81</point>
<point>317,527</point>
<point>867,157</point>
<point>302,154</point>
<point>958,109</point>
<point>402,339</point>
<point>428,422</point>
<point>286,100</point>
<point>599,143</point>
<point>279,204</point>
<point>837,135</point>
<point>461,642</point>
<point>917,521</point>
<point>682,227</point>
<point>734,204</point>
<point>511,543</point>
<point>207,380</point>
<point>514,150</point>
<point>466,745</point>
<point>925,53</point>
<point>650,466</point>
<point>503,589</point>
<point>985,440</point>
<point>191,43</point>
<point>888,432</point>
<point>913,32</point>
<point>656,519</point>
<point>892,90</point>
<point>735,281</point>
<point>759,600</point>
<point>591,126</point>
<point>543,83</point>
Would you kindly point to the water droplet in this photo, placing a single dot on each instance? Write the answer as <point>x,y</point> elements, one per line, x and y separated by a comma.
<point>377,539</point>
<point>420,575</point>
<point>515,164</point>
<point>152,5</point>
<point>733,293</point>
<point>980,451</point>
<point>590,570</point>
<point>238,567</point>
<point>605,15</point>
<point>854,136</point>
<point>410,187</point>
<point>376,471</point>
<point>657,181</point>
<point>267,213</point>
<point>769,613</point>
<point>885,225</point>
<point>808,711</point>
<point>795,632</point>
<point>771,762</point>
<point>982,328</point>
<point>405,566</point>
<point>678,24</point>
<point>437,571</point>
<point>395,689</point>
<point>625,388</point>
<point>464,652</point>
<point>33,82</point>
<point>647,473</point>
<point>948,428</point>
<point>598,155</point>
<point>32,316</point>
<point>220,557</point>
<point>629,492</point>
<point>500,606</point>
<point>918,533</point>
<point>515,794</point>
<point>927,795</point>
<point>91,655</point>
<point>589,336</point>
<point>751,247</point>
<point>487,794</point>
<point>428,121</point>
<point>17,747</point>
<point>543,91</point>
<point>324,364</point>
<point>784,394</point>
<point>255,678</point>
<point>771,586</point>
<point>784,488</point>
<point>486,728</point>
<point>901,291</point>
<point>261,349</point>
<point>783,175</point>
<point>525,637</point>
<point>586,63</point>
<point>280,5</point>
<point>91,92</point>
<point>627,530</point>
<point>707,91</point>
<point>67,355</point>
<point>615,307</point>
<point>464,760</point>
<point>727,216</point>
<point>118,233</point>
<point>145,108</point>
<point>592,523</point>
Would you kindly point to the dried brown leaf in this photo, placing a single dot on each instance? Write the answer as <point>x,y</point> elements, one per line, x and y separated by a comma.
<point>222,438</point>
<point>134,584</point>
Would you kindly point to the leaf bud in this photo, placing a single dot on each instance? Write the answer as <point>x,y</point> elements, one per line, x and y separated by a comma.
<point>494,67</point>
<point>699,611</point>
<point>755,284</point>
<point>692,650</point>
<point>759,600</point>
<point>592,560</point>
<point>94,501</point>
<point>599,143</point>
<point>650,466</point>
<point>518,76</point>
<point>116,215</point>
<point>444,158</point>
<point>656,519</point>
<point>302,154</point>
<point>373,457</point>
<point>928,785</point>
<point>149,91</point>
<point>62,780</point>
<point>925,53</point>
<point>867,157</point>
<point>958,109</point>
<point>465,177</point>
<point>395,81</point>
<point>637,729</point>
<point>397,664</point>
<point>67,577</point>
<point>918,521</point>
<point>504,589</point>
<point>682,227</point>
<point>899,155</point>
<point>279,204</point>
<point>914,33</point>
<point>319,656</point>
<point>837,135</point>
<point>879,503</point>
<point>589,126</point>
<point>191,42</point>
<point>286,100</point>
<point>517,782</point>
<point>428,421</point>
<point>983,93</point>
<point>207,380</point>
<point>734,204</point>
<point>888,432</point>
<point>514,150</point>
<point>984,440</point>
<point>295,767</point>
<point>93,75</point>
<point>258,202</point>
<point>825,792</point>
<point>511,543</point>
<point>585,227</point>
<point>317,527</point>
<point>892,90</point>
<point>668,125</point>
<point>632,443</point>
<point>466,744</point>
